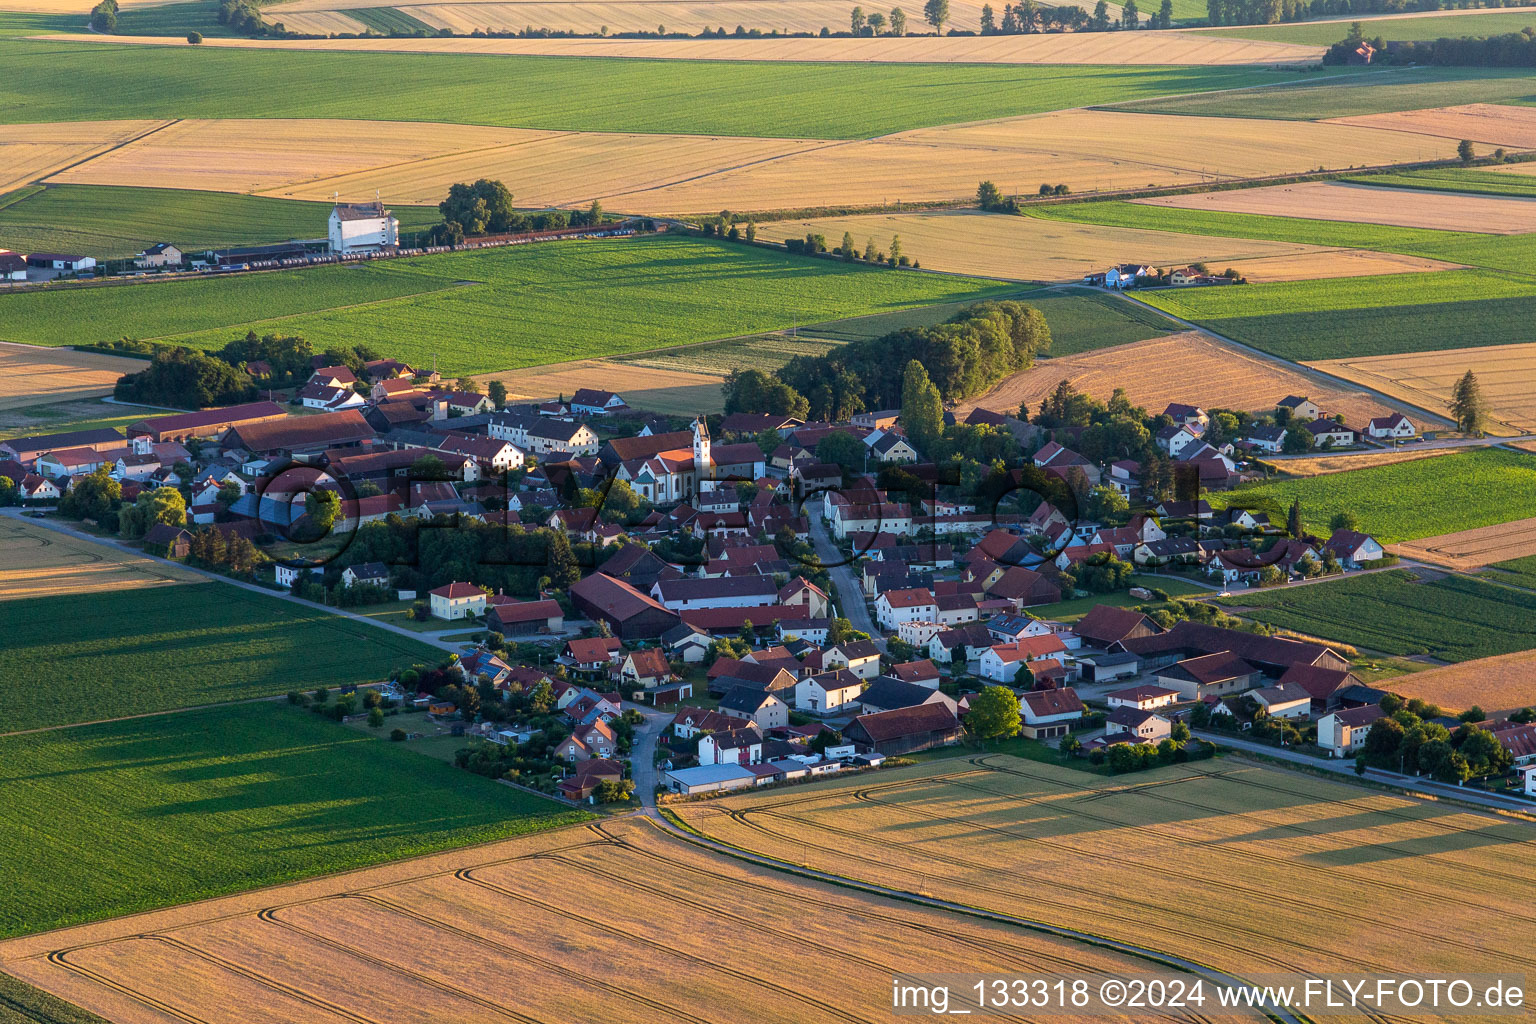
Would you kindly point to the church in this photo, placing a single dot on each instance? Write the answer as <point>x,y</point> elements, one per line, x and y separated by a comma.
<point>673,467</point>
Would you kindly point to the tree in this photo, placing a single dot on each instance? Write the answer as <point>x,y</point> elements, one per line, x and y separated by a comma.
<point>856,21</point>
<point>1024,678</point>
<point>755,391</point>
<point>1165,15</point>
<point>1293,519</point>
<point>1100,22</point>
<point>376,718</point>
<point>842,449</point>
<point>1344,521</point>
<point>496,391</point>
<point>988,24</point>
<point>987,195</point>
<point>161,505</point>
<point>322,508</point>
<point>560,562</point>
<point>1467,404</point>
<point>898,22</point>
<point>194,38</point>
<point>1464,151</point>
<point>994,714</point>
<point>848,249</point>
<point>8,491</point>
<point>92,497</point>
<point>936,13</point>
<point>1298,441</point>
<point>1382,743</point>
<point>1106,505</point>
<point>922,410</point>
<point>1130,17</point>
<point>876,23</point>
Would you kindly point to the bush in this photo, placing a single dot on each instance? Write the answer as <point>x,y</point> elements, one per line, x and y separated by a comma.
<point>376,718</point>
<point>194,38</point>
<point>397,735</point>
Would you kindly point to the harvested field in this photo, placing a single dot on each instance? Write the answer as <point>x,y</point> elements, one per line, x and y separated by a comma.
<point>35,562</point>
<point>1077,48</point>
<point>509,945</point>
<point>32,151</point>
<point>1491,123</point>
<point>1088,150</point>
<point>30,375</point>
<point>1187,367</point>
<point>1033,249</point>
<point>1343,463</point>
<point>1498,685</point>
<point>1473,549</point>
<point>644,387</point>
<point>1225,842</point>
<point>1335,200</point>
<point>1425,379</point>
<point>322,22</point>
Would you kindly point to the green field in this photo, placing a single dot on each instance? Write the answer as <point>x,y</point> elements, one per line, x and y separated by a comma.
<point>1075,608</point>
<point>100,821</point>
<point>131,652</point>
<point>496,309</point>
<point>1080,320</point>
<point>1457,179</point>
<point>113,222</point>
<point>1482,23</point>
<point>1409,500</point>
<point>1518,572</point>
<point>388,19</point>
<point>1373,92</point>
<point>47,419</point>
<point>56,81</point>
<point>20,1003</point>
<point>1357,316</point>
<point>1454,618</point>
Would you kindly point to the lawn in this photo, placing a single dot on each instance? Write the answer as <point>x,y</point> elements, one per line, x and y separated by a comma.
<point>112,819</point>
<point>1409,500</point>
<point>110,654</point>
<point>1360,316</point>
<point>1454,618</point>
<point>1080,320</point>
<point>59,81</point>
<point>1348,95</point>
<point>497,309</point>
<point>1391,29</point>
<point>113,222</point>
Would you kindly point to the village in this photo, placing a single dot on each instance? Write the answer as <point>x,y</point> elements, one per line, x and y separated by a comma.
<point>773,615</point>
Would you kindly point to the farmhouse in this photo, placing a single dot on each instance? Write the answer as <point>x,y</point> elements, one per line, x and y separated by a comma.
<point>374,574</point>
<point>828,692</point>
<point>888,694</point>
<point>631,614</point>
<point>1343,732</point>
<point>457,601</point>
<point>362,227</point>
<point>1284,700</point>
<point>206,422</point>
<point>1353,549</point>
<point>1142,698</point>
<point>1001,663</point>
<point>1210,674</point>
<point>13,266</point>
<point>895,607</point>
<point>645,668</point>
<point>1106,625</point>
<point>760,707</point>
<point>905,730</point>
<point>63,263</point>
<point>1133,725</point>
<point>158,256</point>
<point>590,402</point>
<point>1393,427</point>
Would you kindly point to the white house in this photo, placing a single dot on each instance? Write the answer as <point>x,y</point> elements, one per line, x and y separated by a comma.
<point>457,601</point>
<point>918,633</point>
<point>1353,549</point>
<point>1284,700</point>
<point>1049,713</point>
<point>286,574</point>
<point>1142,698</point>
<point>362,227</point>
<point>732,746</point>
<point>894,607</point>
<point>13,266</point>
<point>590,402</point>
<point>828,692</point>
<point>1000,663</point>
<point>1394,427</point>
<point>1344,732</point>
<point>1266,437</point>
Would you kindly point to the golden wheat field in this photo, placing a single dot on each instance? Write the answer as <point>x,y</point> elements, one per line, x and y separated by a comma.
<point>1129,48</point>
<point>37,562</point>
<point>586,925</point>
<point>1187,367</point>
<point>1491,123</point>
<point>1346,461</point>
<point>1087,150</point>
<point>32,151</point>
<point>1242,867</point>
<point>1498,685</point>
<point>32,376</point>
<point>643,387</point>
<point>321,22</point>
<point>1336,200</point>
<point>1472,549</point>
<point>1425,379</point>
<point>1034,249</point>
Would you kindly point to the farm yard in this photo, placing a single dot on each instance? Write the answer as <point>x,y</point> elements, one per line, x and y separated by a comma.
<point>135,651</point>
<point>1359,202</point>
<point>1190,367</point>
<point>570,299</point>
<point>1453,618</point>
<point>1036,249</point>
<point>491,914</point>
<point>1409,500</point>
<point>1361,316</point>
<point>1498,685</point>
<point>31,376</point>
<point>1128,49</point>
<point>1425,379</point>
<point>1473,549</point>
<point>111,819</point>
<point>118,222</point>
<point>1221,839</point>
<point>37,562</point>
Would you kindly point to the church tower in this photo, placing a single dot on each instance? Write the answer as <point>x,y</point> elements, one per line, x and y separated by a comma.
<point>703,464</point>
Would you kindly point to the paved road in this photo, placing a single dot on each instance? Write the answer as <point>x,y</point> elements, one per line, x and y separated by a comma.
<point>642,756</point>
<point>60,526</point>
<point>1339,766</point>
<point>848,589</point>
<point>1166,959</point>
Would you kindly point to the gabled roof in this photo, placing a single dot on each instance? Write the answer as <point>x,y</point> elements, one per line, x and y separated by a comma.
<point>1053,702</point>
<point>614,597</point>
<point>887,694</point>
<point>883,726</point>
<point>1107,624</point>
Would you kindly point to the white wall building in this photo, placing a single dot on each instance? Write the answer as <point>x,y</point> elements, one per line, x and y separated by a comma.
<point>362,227</point>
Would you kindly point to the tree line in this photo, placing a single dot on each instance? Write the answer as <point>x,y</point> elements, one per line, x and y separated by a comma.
<point>1510,50</point>
<point>1267,12</point>
<point>191,379</point>
<point>484,207</point>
